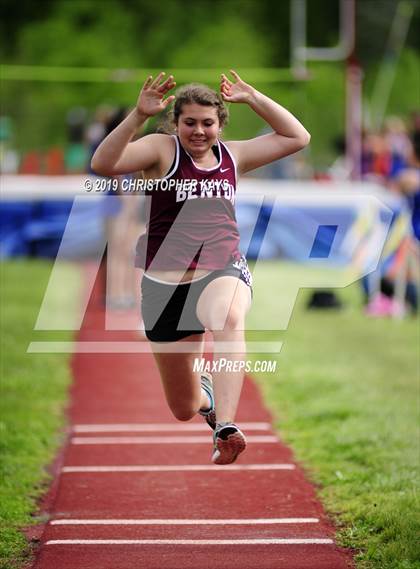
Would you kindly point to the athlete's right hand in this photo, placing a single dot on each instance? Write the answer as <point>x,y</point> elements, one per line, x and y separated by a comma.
<point>151,101</point>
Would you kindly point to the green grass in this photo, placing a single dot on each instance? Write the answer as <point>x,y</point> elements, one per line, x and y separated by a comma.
<point>346,398</point>
<point>33,395</point>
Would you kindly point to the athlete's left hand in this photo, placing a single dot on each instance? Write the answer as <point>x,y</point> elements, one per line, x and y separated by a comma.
<point>237,91</point>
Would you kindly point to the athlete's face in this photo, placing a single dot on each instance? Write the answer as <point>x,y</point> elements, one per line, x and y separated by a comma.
<point>198,128</point>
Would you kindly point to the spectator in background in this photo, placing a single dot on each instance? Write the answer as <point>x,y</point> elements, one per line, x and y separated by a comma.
<point>340,168</point>
<point>376,157</point>
<point>9,158</point>
<point>407,180</point>
<point>96,131</point>
<point>398,144</point>
<point>385,153</point>
<point>403,177</point>
<point>123,223</point>
<point>407,183</point>
<point>76,152</point>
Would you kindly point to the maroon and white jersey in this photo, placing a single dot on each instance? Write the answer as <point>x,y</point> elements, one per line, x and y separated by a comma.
<point>191,215</point>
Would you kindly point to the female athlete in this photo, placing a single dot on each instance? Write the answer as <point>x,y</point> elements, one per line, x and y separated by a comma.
<point>195,277</point>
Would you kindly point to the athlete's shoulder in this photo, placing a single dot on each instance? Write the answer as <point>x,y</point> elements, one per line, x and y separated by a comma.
<point>163,147</point>
<point>232,147</point>
<point>159,138</point>
<point>160,143</point>
<point>231,144</point>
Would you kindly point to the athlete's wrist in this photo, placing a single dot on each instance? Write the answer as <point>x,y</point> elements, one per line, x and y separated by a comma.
<point>139,116</point>
<point>254,98</point>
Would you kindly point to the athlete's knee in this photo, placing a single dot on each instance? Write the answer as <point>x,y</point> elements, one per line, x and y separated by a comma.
<point>227,318</point>
<point>183,413</point>
<point>235,319</point>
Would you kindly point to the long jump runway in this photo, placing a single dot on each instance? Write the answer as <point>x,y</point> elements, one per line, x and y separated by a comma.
<point>136,489</point>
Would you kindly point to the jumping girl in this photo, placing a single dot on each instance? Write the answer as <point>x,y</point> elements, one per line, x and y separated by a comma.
<point>195,277</point>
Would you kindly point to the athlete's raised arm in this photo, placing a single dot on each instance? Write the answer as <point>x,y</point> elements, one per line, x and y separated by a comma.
<point>116,154</point>
<point>289,134</point>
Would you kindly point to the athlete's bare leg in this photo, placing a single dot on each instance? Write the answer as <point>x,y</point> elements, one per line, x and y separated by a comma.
<point>222,308</point>
<point>180,383</point>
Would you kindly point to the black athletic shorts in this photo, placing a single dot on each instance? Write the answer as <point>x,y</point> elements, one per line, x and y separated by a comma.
<point>169,310</point>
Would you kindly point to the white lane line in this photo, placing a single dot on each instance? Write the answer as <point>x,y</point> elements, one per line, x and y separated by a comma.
<point>153,427</point>
<point>275,541</point>
<point>138,347</point>
<point>184,522</point>
<point>177,468</point>
<point>160,440</point>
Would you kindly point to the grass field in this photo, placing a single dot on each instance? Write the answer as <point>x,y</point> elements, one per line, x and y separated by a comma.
<point>346,398</point>
<point>33,395</point>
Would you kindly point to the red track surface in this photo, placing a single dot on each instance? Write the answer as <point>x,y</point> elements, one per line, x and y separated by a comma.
<point>159,510</point>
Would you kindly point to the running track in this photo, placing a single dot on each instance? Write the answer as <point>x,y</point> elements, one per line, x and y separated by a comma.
<point>136,490</point>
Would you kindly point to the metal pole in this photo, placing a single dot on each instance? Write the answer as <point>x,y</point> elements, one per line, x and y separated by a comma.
<point>298,37</point>
<point>345,43</point>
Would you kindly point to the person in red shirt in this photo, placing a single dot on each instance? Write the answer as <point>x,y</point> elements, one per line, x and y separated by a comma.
<point>195,276</point>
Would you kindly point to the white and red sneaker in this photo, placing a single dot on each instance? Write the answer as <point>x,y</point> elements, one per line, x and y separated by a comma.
<point>229,442</point>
